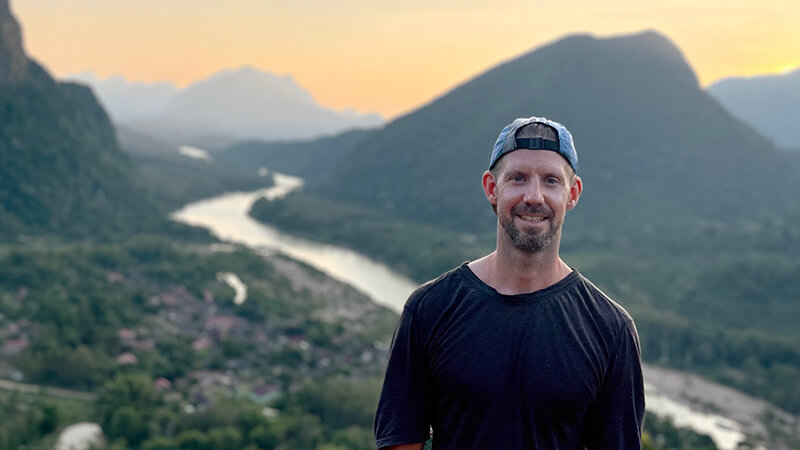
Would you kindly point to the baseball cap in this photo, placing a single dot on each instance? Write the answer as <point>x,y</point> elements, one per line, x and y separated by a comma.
<point>508,141</point>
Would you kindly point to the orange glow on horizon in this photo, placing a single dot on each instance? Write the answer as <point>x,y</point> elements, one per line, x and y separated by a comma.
<point>380,56</point>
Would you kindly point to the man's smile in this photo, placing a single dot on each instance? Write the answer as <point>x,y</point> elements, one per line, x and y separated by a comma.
<point>532,218</point>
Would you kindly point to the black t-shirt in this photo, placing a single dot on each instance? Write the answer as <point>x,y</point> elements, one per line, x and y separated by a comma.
<point>558,368</point>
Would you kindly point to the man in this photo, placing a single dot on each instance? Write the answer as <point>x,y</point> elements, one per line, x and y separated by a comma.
<point>516,350</point>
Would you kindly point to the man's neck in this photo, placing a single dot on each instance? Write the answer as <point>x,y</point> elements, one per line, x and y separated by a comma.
<point>511,271</point>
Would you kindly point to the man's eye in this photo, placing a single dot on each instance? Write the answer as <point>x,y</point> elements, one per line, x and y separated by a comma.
<point>551,180</point>
<point>517,178</point>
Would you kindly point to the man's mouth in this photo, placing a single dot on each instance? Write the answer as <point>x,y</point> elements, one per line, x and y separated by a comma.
<point>532,218</point>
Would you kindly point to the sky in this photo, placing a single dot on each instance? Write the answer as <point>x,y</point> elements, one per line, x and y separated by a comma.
<point>386,56</point>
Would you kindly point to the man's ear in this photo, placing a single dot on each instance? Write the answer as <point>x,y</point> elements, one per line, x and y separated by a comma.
<point>490,189</point>
<point>575,192</point>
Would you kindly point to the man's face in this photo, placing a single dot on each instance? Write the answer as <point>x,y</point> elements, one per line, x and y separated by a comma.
<point>532,191</point>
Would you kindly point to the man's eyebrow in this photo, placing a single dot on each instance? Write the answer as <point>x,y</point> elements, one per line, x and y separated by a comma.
<point>558,175</point>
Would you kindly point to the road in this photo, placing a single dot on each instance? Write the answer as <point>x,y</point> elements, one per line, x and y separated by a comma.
<point>56,392</point>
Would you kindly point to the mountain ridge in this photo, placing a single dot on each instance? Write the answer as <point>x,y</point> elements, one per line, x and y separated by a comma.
<point>61,170</point>
<point>769,103</point>
<point>609,93</point>
<point>13,62</point>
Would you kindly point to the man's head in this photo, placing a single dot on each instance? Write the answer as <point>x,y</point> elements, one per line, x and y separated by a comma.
<point>531,190</point>
<point>535,133</point>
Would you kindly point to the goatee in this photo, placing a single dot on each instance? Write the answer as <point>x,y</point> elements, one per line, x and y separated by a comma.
<point>529,242</point>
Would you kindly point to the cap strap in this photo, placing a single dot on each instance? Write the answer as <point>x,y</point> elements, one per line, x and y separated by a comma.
<point>536,144</point>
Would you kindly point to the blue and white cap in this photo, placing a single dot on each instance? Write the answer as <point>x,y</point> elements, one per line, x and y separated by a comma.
<point>508,141</point>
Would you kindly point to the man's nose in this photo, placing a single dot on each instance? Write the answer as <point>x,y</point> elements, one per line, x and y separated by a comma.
<point>533,194</point>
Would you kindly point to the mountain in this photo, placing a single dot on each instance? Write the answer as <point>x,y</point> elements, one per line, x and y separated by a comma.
<point>660,159</point>
<point>61,170</point>
<point>14,65</point>
<point>769,103</point>
<point>241,104</point>
<point>127,101</point>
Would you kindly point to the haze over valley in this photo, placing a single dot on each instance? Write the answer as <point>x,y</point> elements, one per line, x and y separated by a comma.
<point>230,105</point>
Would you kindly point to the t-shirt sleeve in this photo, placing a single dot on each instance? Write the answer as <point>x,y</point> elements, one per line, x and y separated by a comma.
<point>403,415</point>
<point>616,417</point>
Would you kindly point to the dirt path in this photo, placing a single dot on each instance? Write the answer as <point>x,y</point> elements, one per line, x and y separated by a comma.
<point>56,392</point>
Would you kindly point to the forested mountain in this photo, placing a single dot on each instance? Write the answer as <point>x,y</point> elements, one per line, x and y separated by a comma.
<point>657,154</point>
<point>61,170</point>
<point>770,103</point>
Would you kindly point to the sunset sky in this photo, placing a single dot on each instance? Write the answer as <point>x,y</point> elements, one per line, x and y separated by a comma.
<point>385,56</point>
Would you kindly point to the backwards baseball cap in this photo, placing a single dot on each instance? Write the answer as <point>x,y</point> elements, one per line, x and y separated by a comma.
<point>559,141</point>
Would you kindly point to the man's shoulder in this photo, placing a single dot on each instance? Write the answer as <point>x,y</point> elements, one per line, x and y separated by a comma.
<point>603,304</point>
<point>436,289</point>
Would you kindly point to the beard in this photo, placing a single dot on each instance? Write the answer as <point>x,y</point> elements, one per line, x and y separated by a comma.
<point>533,241</point>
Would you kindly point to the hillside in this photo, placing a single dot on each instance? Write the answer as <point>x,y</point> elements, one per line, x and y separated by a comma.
<point>158,331</point>
<point>61,170</point>
<point>769,103</point>
<point>657,154</point>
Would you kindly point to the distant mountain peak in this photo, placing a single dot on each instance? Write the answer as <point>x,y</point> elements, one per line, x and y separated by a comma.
<point>262,84</point>
<point>648,44</point>
<point>13,62</point>
<point>793,74</point>
<point>770,103</point>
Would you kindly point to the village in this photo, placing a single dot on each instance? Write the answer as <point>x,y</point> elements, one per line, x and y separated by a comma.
<point>228,354</point>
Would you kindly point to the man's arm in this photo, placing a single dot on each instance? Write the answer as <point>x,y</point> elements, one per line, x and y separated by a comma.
<point>403,416</point>
<point>616,417</point>
<point>406,447</point>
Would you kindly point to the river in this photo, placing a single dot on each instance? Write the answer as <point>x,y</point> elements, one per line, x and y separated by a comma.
<point>226,217</point>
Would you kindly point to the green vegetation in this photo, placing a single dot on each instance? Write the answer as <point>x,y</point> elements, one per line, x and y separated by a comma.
<point>26,418</point>
<point>312,160</point>
<point>70,302</point>
<point>174,181</point>
<point>661,434</point>
<point>62,171</point>
<point>171,180</point>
